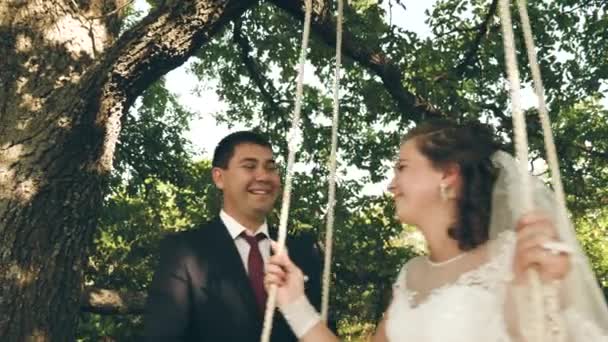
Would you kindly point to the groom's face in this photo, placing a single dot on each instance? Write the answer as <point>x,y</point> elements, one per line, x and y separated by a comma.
<point>251,183</point>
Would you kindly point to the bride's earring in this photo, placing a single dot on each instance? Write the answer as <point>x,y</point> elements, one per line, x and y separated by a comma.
<point>443,192</point>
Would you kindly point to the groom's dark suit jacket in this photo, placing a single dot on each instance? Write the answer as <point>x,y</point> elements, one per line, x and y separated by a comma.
<point>201,292</point>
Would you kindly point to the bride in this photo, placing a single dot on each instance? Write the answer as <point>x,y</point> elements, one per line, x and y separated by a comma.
<point>460,191</point>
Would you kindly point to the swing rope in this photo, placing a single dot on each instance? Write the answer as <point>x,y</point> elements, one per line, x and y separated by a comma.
<point>553,306</point>
<point>331,197</point>
<point>293,144</point>
<point>539,90</point>
<point>521,150</point>
<point>540,295</point>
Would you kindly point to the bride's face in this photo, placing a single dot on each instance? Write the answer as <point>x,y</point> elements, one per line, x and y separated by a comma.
<point>415,185</point>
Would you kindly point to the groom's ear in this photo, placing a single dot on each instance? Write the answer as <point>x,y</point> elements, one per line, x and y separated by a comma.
<point>217,174</point>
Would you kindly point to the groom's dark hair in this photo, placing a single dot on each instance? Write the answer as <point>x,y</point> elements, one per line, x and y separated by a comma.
<point>225,148</point>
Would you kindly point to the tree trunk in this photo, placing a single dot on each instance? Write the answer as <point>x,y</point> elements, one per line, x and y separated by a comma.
<point>65,83</point>
<point>48,190</point>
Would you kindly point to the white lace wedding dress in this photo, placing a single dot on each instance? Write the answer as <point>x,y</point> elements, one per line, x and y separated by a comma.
<point>463,300</point>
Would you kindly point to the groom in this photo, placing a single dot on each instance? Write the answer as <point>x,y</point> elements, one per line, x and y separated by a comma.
<point>208,285</point>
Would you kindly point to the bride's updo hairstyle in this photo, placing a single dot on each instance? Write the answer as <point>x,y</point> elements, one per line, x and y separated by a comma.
<point>470,145</point>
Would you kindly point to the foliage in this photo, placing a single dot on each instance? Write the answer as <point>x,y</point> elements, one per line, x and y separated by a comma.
<point>592,231</point>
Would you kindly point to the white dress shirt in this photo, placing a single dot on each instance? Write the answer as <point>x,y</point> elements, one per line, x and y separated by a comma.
<point>235,229</point>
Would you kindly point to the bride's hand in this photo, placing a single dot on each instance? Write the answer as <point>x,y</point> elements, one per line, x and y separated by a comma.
<point>283,273</point>
<point>538,246</point>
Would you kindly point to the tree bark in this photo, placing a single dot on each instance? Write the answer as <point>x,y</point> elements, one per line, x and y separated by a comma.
<point>48,192</point>
<point>66,81</point>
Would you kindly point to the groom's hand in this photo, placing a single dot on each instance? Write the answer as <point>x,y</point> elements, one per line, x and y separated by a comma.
<point>283,273</point>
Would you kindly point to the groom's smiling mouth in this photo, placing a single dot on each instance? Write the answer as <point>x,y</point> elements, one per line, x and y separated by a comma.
<point>261,191</point>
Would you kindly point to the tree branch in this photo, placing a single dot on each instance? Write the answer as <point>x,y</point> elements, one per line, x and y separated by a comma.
<point>253,70</point>
<point>591,152</point>
<point>257,76</point>
<point>111,302</point>
<point>483,30</point>
<point>412,106</point>
<point>163,40</point>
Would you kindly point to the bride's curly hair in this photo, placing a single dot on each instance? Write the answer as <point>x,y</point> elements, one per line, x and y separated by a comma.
<point>470,145</point>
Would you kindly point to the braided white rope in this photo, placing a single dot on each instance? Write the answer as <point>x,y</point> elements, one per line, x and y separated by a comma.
<point>542,109</point>
<point>331,197</point>
<point>294,141</point>
<point>537,331</point>
<point>558,335</point>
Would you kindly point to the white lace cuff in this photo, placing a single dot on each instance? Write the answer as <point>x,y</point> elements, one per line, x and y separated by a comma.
<point>300,315</point>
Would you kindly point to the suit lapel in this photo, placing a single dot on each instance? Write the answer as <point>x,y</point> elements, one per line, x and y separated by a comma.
<point>232,265</point>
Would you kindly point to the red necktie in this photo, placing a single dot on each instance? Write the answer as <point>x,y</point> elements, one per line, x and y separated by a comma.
<point>255,266</point>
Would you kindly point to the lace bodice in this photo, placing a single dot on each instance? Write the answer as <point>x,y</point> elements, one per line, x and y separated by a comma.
<point>466,306</point>
<point>465,309</point>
